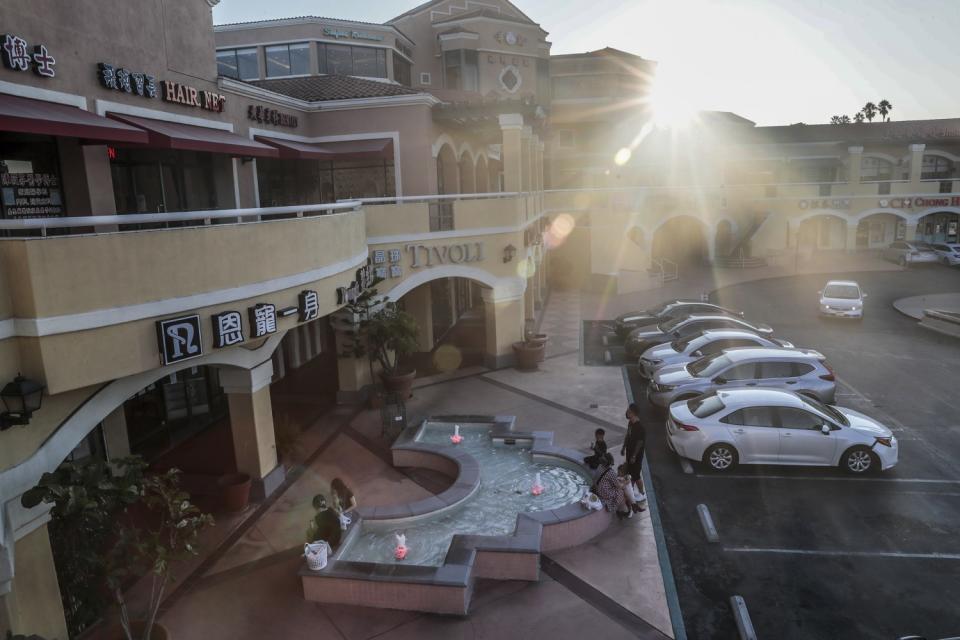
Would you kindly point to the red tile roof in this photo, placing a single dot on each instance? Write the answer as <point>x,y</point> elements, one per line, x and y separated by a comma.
<point>331,87</point>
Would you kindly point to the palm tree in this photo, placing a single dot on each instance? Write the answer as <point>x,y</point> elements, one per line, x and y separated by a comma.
<point>884,107</point>
<point>844,119</point>
<point>858,117</point>
<point>835,120</point>
<point>870,111</point>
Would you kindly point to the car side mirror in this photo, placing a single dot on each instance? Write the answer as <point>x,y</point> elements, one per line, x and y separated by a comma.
<point>825,429</point>
<point>720,380</point>
<point>697,353</point>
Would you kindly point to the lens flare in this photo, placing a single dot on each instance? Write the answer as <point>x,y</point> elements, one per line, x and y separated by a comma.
<point>526,268</point>
<point>623,156</point>
<point>447,358</point>
<point>561,227</point>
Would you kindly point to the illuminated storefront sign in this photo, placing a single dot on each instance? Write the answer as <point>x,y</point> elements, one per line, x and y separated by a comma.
<point>192,97</point>
<point>920,201</point>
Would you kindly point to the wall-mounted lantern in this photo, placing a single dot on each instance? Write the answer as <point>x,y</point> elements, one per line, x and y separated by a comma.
<point>20,399</point>
<point>508,253</point>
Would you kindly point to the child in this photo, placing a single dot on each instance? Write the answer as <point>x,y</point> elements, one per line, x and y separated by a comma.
<point>599,448</point>
<point>634,501</point>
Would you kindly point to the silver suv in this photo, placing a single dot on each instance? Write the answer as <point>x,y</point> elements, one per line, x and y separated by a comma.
<point>699,345</point>
<point>804,371</point>
<point>643,338</point>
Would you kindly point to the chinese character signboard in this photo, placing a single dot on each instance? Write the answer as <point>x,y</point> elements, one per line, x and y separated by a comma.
<point>31,195</point>
<point>263,320</point>
<point>266,115</point>
<point>17,56</point>
<point>120,79</point>
<point>179,339</point>
<point>227,329</point>
<point>309,306</point>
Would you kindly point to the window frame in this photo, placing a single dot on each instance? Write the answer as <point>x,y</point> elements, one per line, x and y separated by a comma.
<point>288,47</point>
<point>235,52</point>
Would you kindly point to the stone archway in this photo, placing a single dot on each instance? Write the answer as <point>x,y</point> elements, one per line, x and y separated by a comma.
<point>681,239</point>
<point>468,177</point>
<point>448,178</point>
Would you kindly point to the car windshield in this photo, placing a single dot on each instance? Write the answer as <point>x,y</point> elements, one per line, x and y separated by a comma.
<point>827,410</point>
<point>682,343</point>
<point>705,405</point>
<point>657,310</point>
<point>709,366</point>
<point>670,325</point>
<point>842,291</point>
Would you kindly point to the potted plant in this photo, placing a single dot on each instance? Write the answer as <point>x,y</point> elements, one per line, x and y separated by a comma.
<point>535,339</point>
<point>173,535</point>
<point>529,354</point>
<point>378,330</point>
<point>234,491</point>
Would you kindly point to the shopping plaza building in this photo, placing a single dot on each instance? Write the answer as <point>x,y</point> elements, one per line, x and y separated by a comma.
<point>187,207</point>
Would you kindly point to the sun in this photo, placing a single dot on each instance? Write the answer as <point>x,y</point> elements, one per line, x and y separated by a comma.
<point>671,99</point>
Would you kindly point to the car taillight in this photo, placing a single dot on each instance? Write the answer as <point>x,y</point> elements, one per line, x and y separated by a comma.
<point>887,442</point>
<point>830,377</point>
<point>686,427</point>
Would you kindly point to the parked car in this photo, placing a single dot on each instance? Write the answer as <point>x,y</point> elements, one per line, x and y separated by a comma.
<point>771,426</point>
<point>702,344</point>
<point>643,338</point>
<point>842,299</point>
<point>801,370</point>
<point>947,252</point>
<point>906,253</point>
<point>627,322</point>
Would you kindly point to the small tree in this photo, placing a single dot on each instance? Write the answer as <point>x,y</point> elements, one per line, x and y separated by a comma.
<point>87,497</point>
<point>858,117</point>
<point>391,334</point>
<point>174,536</point>
<point>884,107</point>
<point>835,120</point>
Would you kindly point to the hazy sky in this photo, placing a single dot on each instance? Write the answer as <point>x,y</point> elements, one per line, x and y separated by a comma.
<point>772,61</point>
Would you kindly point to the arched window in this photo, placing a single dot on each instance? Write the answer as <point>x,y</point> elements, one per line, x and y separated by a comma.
<point>876,169</point>
<point>936,168</point>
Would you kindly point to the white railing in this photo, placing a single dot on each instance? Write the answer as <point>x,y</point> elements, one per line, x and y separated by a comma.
<point>237,216</point>
<point>666,270</point>
<point>439,198</point>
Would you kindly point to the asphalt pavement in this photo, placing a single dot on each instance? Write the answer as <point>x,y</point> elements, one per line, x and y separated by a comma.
<point>816,553</point>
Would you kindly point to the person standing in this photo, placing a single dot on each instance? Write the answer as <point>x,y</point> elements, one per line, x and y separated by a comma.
<point>633,448</point>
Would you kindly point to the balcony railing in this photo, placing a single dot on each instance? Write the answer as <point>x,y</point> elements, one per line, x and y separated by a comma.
<point>441,211</point>
<point>82,225</point>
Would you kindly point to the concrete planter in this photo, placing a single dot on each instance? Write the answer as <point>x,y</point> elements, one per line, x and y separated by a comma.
<point>538,338</point>
<point>234,491</point>
<point>401,384</point>
<point>529,354</point>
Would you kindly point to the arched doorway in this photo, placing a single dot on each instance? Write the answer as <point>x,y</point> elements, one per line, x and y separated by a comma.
<point>681,239</point>
<point>468,176</point>
<point>448,179</point>
<point>822,232</point>
<point>483,175</point>
<point>878,230</point>
<point>939,227</point>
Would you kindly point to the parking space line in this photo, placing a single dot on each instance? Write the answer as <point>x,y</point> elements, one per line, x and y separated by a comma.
<point>828,479</point>
<point>840,553</point>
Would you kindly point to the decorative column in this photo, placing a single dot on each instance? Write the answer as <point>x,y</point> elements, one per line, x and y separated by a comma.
<point>504,316</point>
<point>511,127</point>
<point>526,144</point>
<point>33,605</point>
<point>251,423</point>
<point>916,163</point>
<point>856,164</point>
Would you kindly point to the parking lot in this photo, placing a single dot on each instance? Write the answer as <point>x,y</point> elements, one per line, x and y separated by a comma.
<point>814,552</point>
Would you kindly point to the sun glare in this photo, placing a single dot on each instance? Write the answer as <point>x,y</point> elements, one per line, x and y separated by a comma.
<point>670,99</point>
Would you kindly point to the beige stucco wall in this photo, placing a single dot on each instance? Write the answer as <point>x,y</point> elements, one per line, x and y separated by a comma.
<point>33,607</point>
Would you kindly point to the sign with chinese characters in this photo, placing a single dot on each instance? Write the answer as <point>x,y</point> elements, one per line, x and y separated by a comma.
<point>350,33</point>
<point>227,329</point>
<point>179,339</point>
<point>259,113</point>
<point>427,256</point>
<point>31,195</point>
<point>515,61</point>
<point>382,270</point>
<point>263,320</point>
<point>191,96</point>
<point>364,280</point>
<point>17,56</point>
<point>120,79</point>
<point>511,38</point>
<point>826,203</point>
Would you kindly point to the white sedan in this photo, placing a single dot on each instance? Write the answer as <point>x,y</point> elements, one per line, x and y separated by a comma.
<point>948,252</point>
<point>842,299</point>
<point>769,426</point>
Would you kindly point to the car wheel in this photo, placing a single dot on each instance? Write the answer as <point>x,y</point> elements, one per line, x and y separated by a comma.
<point>859,461</point>
<point>720,457</point>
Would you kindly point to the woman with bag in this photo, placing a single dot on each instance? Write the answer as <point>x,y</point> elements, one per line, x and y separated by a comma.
<point>609,490</point>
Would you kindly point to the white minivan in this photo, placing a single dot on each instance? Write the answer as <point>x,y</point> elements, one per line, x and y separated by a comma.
<point>842,299</point>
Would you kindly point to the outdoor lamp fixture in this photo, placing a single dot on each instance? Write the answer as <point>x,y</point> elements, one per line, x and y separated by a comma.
<point>508,253</point>
<point>20,399</point>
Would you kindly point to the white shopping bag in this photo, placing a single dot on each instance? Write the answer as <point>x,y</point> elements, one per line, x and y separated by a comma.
<point>316,554</point>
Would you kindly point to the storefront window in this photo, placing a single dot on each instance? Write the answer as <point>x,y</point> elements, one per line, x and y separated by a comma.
<point>156,181</point>
<point>876,169</point>
<point>240,64</point>
<point>174,409</point>
<point>291,182</point>
<point>288,60</point>
<point>401,70</point>
<point>461,70</point>
<point>936,168</point>
<point>30,181</point>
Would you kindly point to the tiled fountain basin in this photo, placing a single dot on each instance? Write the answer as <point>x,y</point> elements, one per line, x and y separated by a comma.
<point>447,588</point>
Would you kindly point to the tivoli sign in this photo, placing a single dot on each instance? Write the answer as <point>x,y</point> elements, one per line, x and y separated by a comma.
<point>427,256</point>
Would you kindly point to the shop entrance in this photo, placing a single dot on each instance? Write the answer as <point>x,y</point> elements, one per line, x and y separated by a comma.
<point>681,240</point>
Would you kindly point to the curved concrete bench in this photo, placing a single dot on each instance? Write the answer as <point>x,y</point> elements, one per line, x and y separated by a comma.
<point>449,587</point>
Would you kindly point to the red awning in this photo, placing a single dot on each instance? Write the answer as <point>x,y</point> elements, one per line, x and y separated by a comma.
<point>25,115</point>
<point>188,137</point>
<point>376,149</point>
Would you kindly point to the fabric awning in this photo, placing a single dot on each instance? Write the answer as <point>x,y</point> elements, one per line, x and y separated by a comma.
<point>26,115</point>
<point>188,137</point>
<point>374,149</point>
